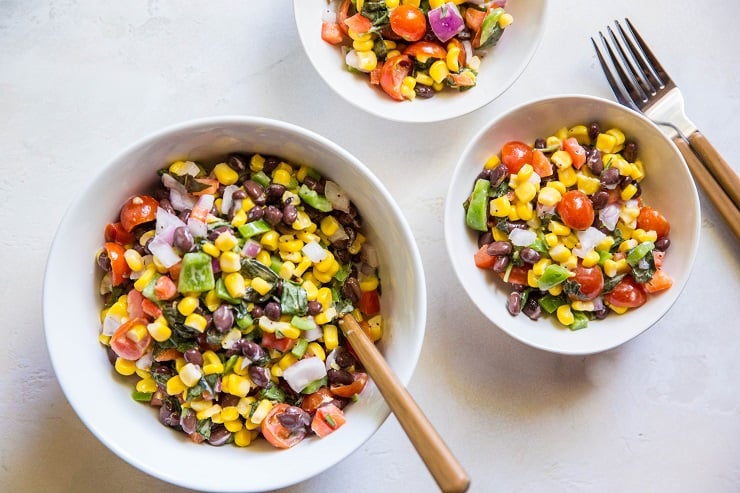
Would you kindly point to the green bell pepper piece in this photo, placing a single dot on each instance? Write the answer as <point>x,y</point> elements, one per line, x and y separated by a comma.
<point>490,30</point>
<point>312,198</point>
<point>553,275</point>
<point>196,274</point>
<point>476,217</point>
<point>254,228</point>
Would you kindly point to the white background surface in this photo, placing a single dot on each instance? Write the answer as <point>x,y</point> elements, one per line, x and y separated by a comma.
<point>79,80</point>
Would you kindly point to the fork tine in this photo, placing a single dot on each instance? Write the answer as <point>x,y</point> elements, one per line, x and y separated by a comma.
<point>652,62</point>
<point>624,71</point>
<point>632,62</point>
<point>617,87</point>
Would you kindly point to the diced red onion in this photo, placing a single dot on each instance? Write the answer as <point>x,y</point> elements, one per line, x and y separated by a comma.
<point>522,237</point>
<point>164,252</point>
<point>110,324</point>
<point>313,334</point>
<point>145,362</point>
<point>336,196</point>
<point>331,360</point>
<point>369,255</point>
<point>609,216</point>
<point>215,265</point>
<point>179,196</point>
<point>197,228</point>
<point>468,49</point>
<point>598,303</point>
<point>227,200</point>
<point>339,234</point>
<point>314,251</point>
<point>588,239</point>
<point>166,224</point>
<point>301,373</point>
<point>251,248</point>
<point>446,21</point>
<point>352,60</point>
<point>544,210</point>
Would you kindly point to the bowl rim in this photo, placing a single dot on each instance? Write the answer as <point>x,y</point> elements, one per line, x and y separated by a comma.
<point>412,349</point>
<point>694,236</point>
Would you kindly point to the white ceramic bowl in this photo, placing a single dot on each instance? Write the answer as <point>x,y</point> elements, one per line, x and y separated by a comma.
<point>668,187</point>
<point>71,309</point>
<point>498,70</point>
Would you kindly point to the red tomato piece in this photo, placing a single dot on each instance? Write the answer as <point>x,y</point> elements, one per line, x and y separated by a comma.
<point>343,14</point>
<point>660,282</point>
<point>394,70</point>
<point>576,210</point>
<point>328,418</point>
<point>474,19</point>
<point>312,402</point>
<point>515,154</point>
<point>133,303</point>
<point>627,294</point>
<point>408,22</point>
<point>131,340</point>
<point>331,33</point>
<point>150,308</point>
<point>351,389</point>
<point>273,430</point>
<point>138,210</point>
<point>576,151</point>
<point>165,288</point>
<point>517,275</point>
<point>483,259</point>
<point>658,257</point>
<point>358,23</point>
<point>428,49</point>
<point>211,186</point>
<point>282,344</point>
<point>590,281</point>
<point>369,302</point>
<point>541,165</point>
<point>120,271</point>
<point>651,220</point>
<point>116,233</point>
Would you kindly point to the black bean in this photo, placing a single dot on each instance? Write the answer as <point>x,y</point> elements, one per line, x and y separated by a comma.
<point>529,255</point>
<point>343,255</point>
<point>239,194</point>
<point>104,261</point>
<point>601,313</point>
<point>290,214</point>
<point>255,213</point>
<point>500,264</point>
<point>294,419</point>
<point>188,421</point>
<point>594,161</point>
<point>341,377</point>
<point>253,189</point>
<point>275,192</point>
<point>610,176</point>
<point>273,310</point>
<point>223,318</point>
<point>193,356</point>
<point>351,289</point>
<point>183,239</point>
<point>532,309</point>
<point>662,244</point>
<point>514,303</point>
<point>251,350</point>
<point>257,311</point>
<point>169,414</point>
<point>112,356</point>
<point>314,307</point>
<point>273,215</point>
<point>271,162</point>
<point>238,162</point>
<point>630,151</point>
<point>184,215</point>
<point>311,182</point>
<point>219,435</point>
<point>485,239</point>
<point>600,199</point>
<point>594,129</point>
<point>423,91</point>
<point>344,358</point>
<point>259,375</point>
<point>498,174</point>
<point>539,143</point>
<point>499,248</point>
<point>167,205</point>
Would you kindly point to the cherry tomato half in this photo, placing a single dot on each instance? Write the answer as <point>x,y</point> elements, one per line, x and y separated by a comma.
<point>576,210</point>
<point>392,74</point>
<point>590,281</point>
<point>350,389</point>
<point>117,234</point>
<point>275,432</point>
<point>138,210</point>
<point>408,22</point>
<point>650,219</point>
<point>312,402</point>
<point>120,271</point>
<point>515,154</point>
<point>369,303</point>
<point>628,293</point>
<point>328,418</point>
<point>428,49</point>
<point>131,340</point>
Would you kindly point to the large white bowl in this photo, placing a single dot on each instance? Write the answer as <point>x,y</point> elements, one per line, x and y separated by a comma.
<point>498,70</point>
<point>71,309</point>
<point>668,187</point>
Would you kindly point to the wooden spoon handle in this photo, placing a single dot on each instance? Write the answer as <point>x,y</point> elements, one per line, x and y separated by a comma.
<point>446,470</point>
<point>715,163</point>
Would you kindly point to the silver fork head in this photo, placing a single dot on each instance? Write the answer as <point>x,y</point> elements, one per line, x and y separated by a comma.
<point>633,72</point>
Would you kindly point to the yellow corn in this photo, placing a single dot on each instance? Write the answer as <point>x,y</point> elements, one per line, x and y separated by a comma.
<point>539,267</point>
<point>500,207</point>
<point>363,43</point>
<point>438,71</point>
<point>367,60</point>
<point>606,143</point>
<point>264,258</point>
<point>532,278</point>
<point>212,363</point>
<point>627,244</point>
<point>557,185</point>
<point>407,88</point>
<point>329,225</point>
<point>237,384</point>
<point>570,241</point>
<point>175,385</point>
<point>556,290</point>
<point>259,414</point>
<point>619,310</point>
<point>526,191</point>
<point>561,133</point>
<point>369,283</point>
<point>239,219</point>
<point>225,175</point>
<point>492,162</point>
<point>558,228</point>
<point>261,286</point>
<point>570,263</point>
<point>326,316</point>
<point>524,210</point>
<point>580,132</point>
<point>311,290</point>
<point>196,321</point>
<point>281,177</point>
<point>592,258</point>
<point>125,367</point>
<point>505,20</point>
<point>605,244</point>
<point>331,337</point>
<point>234,425</point>
<point>452,60</point>
<point>145,278</point>
<point>642,235</point>
<point>211,249</point>
<point>286,270</point>
<point>628,192</point>
<point>356,245</point>
<point>413,3</point>
<point>208,412</point>
<point>242,438</point>
<point>565,315</point>
<point>257,162</point>
<point>549,196</point>
<point>146,384</point>
<point>638,171</point>
<point>289,244</point>
<point>588,185</point>
<point>269,240</point>
<point>324,297</point>
<point>559,253</point>
<point>617,134</point>
<point>190,374</point>
<point>610,267</point>
<point>187,305</point>
<point>159,330</point>
<point>287,360</point>
<point>315,349</point>
<point>235,284</point>
<point>225,241</point>
<point>551,239</point>
<point>230,262</point>
<point>567,176</point>
<point>553,141</point>
<point>433,4</point>
<point>424,79</point>
<point>582,306</point>
<point>133,260</point>
<point>290,332</point>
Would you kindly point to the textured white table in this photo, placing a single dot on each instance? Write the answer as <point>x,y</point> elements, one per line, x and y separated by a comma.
<point>81,79</point>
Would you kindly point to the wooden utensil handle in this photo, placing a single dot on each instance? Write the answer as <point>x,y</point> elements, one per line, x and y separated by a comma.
<point>721,170</point>
<point>444,467</point>
<point>713,191</point>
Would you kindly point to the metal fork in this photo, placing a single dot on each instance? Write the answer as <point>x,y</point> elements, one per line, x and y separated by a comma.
<point>640,82</point>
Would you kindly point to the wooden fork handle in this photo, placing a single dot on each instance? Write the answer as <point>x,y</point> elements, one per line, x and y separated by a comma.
<point>711,188</point>
<point>446,470</point>
<point>721,170</point>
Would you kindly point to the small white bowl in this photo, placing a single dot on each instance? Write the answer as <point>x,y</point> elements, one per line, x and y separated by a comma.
<point>498,70</point>
<point>668,187</point>
<point>71,306</point>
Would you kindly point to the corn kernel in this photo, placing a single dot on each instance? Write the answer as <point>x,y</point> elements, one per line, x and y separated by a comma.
<point>643,236</point>
<point>583,306</point>
<point>559,253</point>
<point>588,185</point>
<point>592,258</point>
<point>261,286</point>
<point>238,385</point>
<point>230,262</point>
<point>438,71</point>
<point>125,367</point>
<point>526,191</point>
<point>315,349</point>
<point>187,305</point>
<point>331,337</point>
<point>627,245</point>
<point>242,438</point>
<point>570,263</point>
<point>259,414</point>
<point>269,240</point>
<point>367,60</point>
<point>565,315</point>
<point>549,196</point>
<point>190,374</point>
<point>264,258</point>
<point>605,244</point>
<point>567,176</point>
<point>211,249</point>
<point>212,363</point>
<point>558,228</point>
<point>557,185</point>
<point>619,310</point>
<point>235,284</point>
<point>505,20</point>
<point>539,267</point>
<point>145,278</point>
<point>499,235</point>
<point>225,175</point>
<point>570,241</point>
<point>500,207</point>
<point>369,283</point>
<point>551,239</point>
<point>324,297</point>
<point>525,211</point>
<point>532,279</point>
<point>424,79</point>
<point>562,133</point>
<point>556,290</point>
<point>356,245</point>
<point>413,3</point>
<point>628,192</point>
<point>610,267</point>
<point>311,290</point>
<point>580,132</point>
<point>289,244</point>
<point>561,159</point>
<point>196,321</point>
<point>133,260</point>
<point>492,162</point>
<point>391,53</point>
<point>208,412</point>
<point>606,143</point>
<point>159,331</point>
<point>617,134</point>
<point>452,59</point>
<point>289,332</point>
<point>146,384</point>
<point>159,266</point>
<point>638,171</point>
<point>286,270</point>
<point>553,141</point>
<point>175,385</point>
